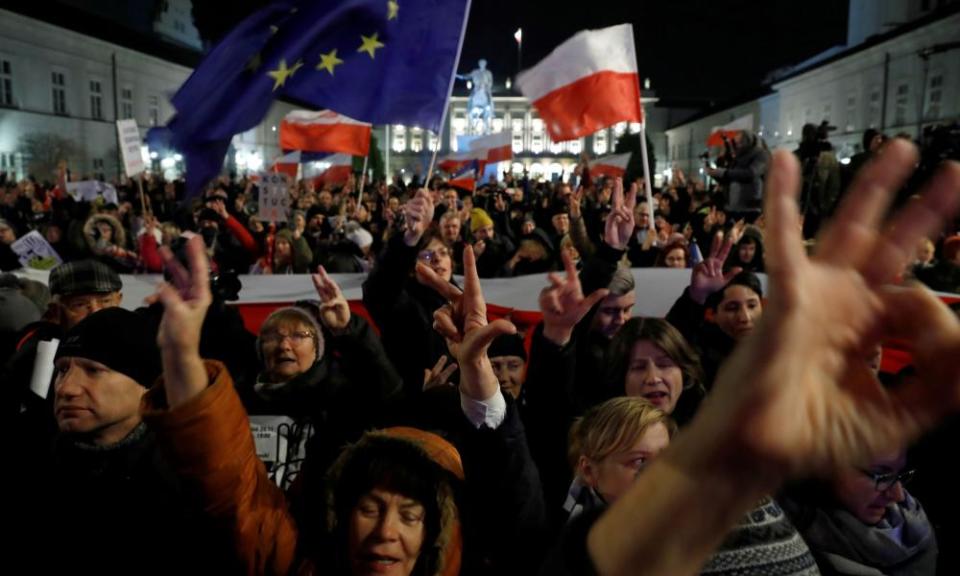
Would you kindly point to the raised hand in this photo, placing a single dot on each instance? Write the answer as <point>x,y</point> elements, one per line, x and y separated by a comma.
<point>418,215</point>
<point>736,233</point>
<point>439,376</point>
<point>563,304</point>
<point>334,310</point>
<point>797,394</point>
<point>463,322</point>
<point>620,222</point>
<point>707,277</point>
<point>185,303</point>
<point>576,200</point>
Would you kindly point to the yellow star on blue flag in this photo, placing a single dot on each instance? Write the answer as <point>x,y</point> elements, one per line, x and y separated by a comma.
<point>399,73</point>
<point>281,74</point>
<point>370,44</point>
<point>329,61</point>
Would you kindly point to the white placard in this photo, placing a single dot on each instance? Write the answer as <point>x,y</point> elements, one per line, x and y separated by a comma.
<point>274,198</point>
<point>90,190</point>
<point>34,251</point>
<point>130,144</point>
<point>43,367</point>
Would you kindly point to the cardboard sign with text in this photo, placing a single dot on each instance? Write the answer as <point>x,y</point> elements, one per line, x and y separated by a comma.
<point>274,200</point>
<point>130,147</point>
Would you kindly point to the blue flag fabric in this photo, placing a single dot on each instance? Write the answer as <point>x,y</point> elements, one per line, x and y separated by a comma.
<point>379,61</point>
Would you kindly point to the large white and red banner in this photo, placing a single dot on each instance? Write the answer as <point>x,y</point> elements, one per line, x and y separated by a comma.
<point>587,83</point>
<point>614,165</point>
<point>513,298</point>
<point>338,171</point>
<point>324,131</point>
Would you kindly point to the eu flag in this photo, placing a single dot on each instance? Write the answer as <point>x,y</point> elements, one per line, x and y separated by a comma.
<point>379,61</point>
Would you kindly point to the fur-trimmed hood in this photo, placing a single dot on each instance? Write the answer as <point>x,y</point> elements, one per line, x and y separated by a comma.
<point>92,235</point>
<point>449,539</point>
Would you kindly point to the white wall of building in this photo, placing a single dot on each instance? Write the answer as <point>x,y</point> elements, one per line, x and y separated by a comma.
<point>849,93</point>
<point>685,143</point>
<point>36,50</point>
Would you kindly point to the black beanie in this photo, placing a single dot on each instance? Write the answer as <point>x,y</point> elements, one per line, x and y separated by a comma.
<point>507,345</point>
<point>119,339</point>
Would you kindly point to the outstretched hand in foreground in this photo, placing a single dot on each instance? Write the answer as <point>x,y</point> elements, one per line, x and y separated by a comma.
<point>797,397</point>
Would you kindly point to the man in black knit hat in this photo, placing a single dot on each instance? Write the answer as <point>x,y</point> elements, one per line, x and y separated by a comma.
<point>104,498</point>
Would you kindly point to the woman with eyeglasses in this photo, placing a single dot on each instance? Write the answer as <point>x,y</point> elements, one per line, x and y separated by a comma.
<point>863,520</point>
<point>399,302</point>
<point>323,372</point>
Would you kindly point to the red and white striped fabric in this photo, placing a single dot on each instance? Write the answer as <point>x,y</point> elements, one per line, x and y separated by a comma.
<point>466,180</point>
<point>614,165</point>
<point>587,83</point>
<point>729,131</point>
<point>341,165</point>
<point>493,147</point>
<point>324,131</point>
<point>288,164</point>
<point>458,160</point>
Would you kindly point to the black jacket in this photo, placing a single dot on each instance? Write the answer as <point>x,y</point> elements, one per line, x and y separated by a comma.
<point>403,310</point>
<point>114,510</point>
<point>712,344</point>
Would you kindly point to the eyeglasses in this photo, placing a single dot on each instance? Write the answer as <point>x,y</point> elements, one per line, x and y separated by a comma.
<point>296,338</point>
<point>88,303</point>
<point>431,255</point>
<point>885,481</point>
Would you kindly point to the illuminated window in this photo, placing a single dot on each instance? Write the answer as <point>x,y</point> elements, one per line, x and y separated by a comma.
<point>416,139</point>
<point>399,138</point>
<point>600,142</point>
<point>517,128</point>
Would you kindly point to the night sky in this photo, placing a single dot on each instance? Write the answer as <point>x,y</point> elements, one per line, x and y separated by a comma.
<point>693,51</point>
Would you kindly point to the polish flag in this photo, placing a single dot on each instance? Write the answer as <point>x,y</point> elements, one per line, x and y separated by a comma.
<point>341,166</point>
<point>466,179</point>
<point>324,131</point>
<point>729,131</point>
<point>288,164</point>
<point>587,83</point>
<point>614,165</point>
<point>493,147</point>
<point>457,161</point>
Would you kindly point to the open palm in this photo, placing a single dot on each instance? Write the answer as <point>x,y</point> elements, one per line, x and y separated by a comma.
<point>798,393</point>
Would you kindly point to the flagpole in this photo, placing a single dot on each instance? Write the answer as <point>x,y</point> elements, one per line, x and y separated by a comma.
<point>646,165</point>
<point>363,179</point>
<point>446,103</point>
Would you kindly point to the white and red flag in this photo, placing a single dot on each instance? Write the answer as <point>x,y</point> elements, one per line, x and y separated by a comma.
<point>614,165</point>
<point>341,165</point>
<point>484,149</point>
<point>324,131</point>
<point>493,147</point>
<point>587,83</point>
<point>288,164</point>
<point>466,179</point>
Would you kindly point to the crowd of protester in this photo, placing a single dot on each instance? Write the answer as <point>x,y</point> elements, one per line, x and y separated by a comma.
<point>748,432</point>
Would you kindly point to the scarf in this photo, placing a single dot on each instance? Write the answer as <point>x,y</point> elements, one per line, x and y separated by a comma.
<point>901,544</point>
